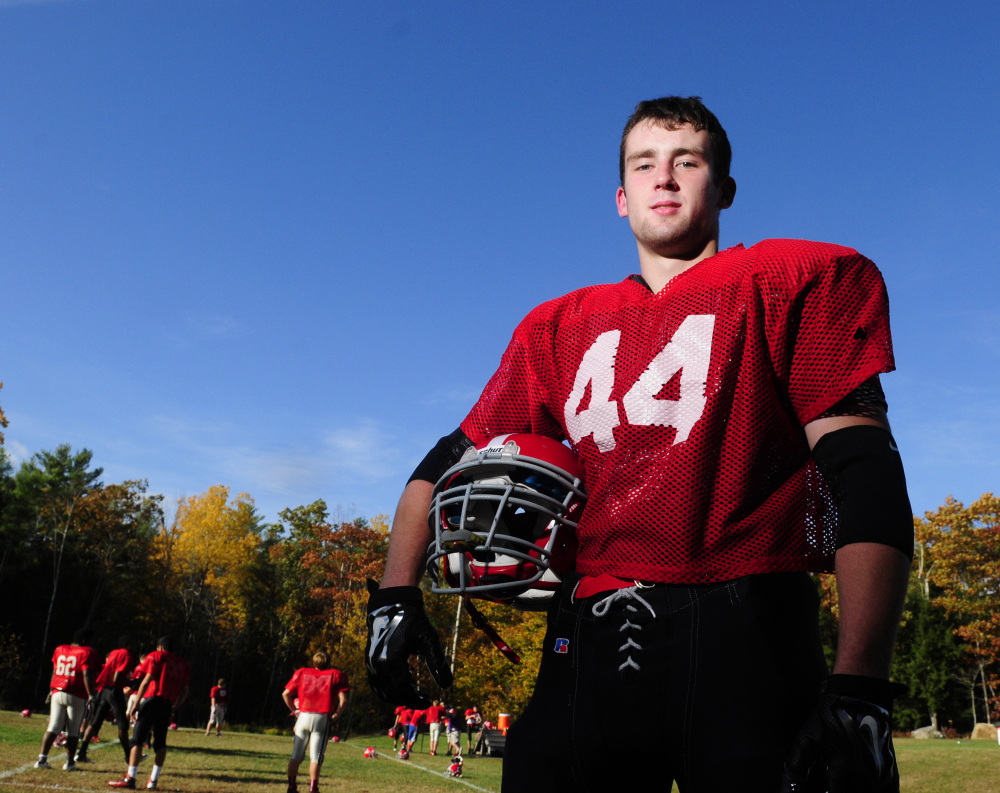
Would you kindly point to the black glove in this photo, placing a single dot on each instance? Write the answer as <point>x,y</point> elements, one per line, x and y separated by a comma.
<point>845,746</point>
<point>397,628</point>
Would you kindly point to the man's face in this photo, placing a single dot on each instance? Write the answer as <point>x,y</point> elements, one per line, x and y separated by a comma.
<point>670,197</point>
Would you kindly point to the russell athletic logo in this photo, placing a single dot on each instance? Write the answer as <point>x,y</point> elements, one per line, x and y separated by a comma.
<point>562,645</point>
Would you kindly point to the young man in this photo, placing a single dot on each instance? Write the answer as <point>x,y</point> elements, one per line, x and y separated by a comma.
<point>473,721</point>
<point>433,718</point>
<point>404,719</point>
<point>726,410</point>
<point>164,686</point>
<point>454,734</point>
<point>111,697</point>
<point>398,731</point>
<point>414,729</point>
<point>220,699</point>
<point>70,689</point>
<point>317,690</point>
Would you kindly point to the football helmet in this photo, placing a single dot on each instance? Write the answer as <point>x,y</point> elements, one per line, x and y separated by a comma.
<point>504,520</point>
<point>370,753</point>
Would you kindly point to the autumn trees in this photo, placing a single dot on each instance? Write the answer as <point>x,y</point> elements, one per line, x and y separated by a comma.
<point>959,550</point>
<point>250,600</point>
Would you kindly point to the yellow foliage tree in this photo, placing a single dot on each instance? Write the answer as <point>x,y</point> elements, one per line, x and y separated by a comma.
<point>211,547</point>
<point>963,544</point>
<point>484,677</point>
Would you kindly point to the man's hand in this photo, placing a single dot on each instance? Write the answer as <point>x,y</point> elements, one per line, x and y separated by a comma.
<point>845,746</point>
<point>397,628</point>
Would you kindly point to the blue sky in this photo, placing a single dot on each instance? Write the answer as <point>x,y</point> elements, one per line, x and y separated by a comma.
<point>281,246</point>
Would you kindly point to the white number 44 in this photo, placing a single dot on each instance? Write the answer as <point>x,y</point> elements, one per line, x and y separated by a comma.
<point>688,352</point>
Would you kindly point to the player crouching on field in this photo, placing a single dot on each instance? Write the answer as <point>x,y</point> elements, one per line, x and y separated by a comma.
<point>163,688</point>
<point>315,715</point>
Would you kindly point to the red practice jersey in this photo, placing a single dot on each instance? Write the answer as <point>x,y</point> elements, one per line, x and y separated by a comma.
<point>473,717</point>
<point>317,689</point>
<point>418,716</point>
<point>433,714</point>
<point>405,717</point>
<point>686,407</point>
<point>220,695</point>
<point>119,660</point>
<point>171,674</point>
<point>68,663</point>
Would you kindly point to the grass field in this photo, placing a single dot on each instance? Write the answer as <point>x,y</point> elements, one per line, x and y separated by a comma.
<point>235,763</point>
<point>249,763</point>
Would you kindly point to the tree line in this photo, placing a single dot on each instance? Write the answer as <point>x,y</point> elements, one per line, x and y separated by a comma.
<point>250,601</point>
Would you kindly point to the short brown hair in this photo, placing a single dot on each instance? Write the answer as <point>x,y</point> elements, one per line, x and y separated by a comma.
<point>673,111</point>
<point>320,659</point>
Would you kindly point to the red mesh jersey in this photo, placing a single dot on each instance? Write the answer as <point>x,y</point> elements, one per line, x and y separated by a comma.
<point>687,406</point>
<point>119,660</point>
<point>317,689</point>
<point>171,674</point>
<point>68,663</point>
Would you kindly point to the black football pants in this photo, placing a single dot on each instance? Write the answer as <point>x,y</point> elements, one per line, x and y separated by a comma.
<point>704,684</point>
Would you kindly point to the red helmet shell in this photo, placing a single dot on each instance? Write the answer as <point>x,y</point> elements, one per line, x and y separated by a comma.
<point>504,519</point>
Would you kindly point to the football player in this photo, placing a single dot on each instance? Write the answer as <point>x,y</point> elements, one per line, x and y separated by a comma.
<point>433,718</point>
<point>165,685</point>
<point>727,413</point>
<point>111,696</point>
<point>70,689</point>
<point>219,697</point>
<point>322,697</point>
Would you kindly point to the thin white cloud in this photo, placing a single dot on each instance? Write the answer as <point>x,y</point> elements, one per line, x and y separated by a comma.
<point>17,453</point>
<point>464,398</point>
<point>365,450</point>
<point>11,3</point>
<point>218,326</point>
<point>340,458</point>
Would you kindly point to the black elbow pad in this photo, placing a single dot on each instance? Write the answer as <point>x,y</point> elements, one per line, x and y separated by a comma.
<point>446,452</point>
<point>862,466</point>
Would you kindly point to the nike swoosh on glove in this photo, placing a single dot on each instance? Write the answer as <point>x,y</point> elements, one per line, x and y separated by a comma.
<point>398,627</point>
<point>845,746</point>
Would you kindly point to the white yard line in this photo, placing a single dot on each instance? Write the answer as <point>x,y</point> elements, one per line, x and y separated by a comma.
<point>23,768</point>
<point>46,787</point>
<point>411,764</point>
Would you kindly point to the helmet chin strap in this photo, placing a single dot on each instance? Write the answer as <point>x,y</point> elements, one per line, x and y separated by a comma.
<point>480,622</point>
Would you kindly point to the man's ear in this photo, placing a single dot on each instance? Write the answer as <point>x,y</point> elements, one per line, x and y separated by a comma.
<point>622,202</point>
<point>727,192</point>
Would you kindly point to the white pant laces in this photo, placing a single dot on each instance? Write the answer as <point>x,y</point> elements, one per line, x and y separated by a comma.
<point>603,606</point>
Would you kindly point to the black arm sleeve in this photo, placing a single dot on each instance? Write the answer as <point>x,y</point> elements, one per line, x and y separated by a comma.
<point>868,400</point>
<point>444,455</point>
<point>862,466</point>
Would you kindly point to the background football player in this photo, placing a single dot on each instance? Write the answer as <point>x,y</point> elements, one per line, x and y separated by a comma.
<point>727,412</point>
<point>322,694</point>
<point>110,684</point>
<point>165,685</point>
<point>219,696</point>
<point>70,688</point>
